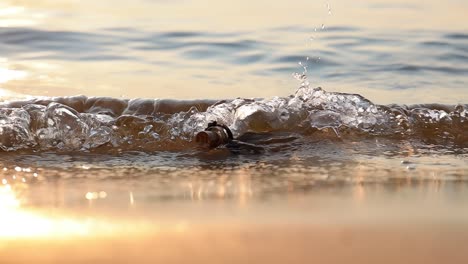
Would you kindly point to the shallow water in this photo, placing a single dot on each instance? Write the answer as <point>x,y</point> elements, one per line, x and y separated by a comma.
<point>95,159</point>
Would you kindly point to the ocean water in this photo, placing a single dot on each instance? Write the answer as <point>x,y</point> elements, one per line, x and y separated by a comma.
<point>356,115</point>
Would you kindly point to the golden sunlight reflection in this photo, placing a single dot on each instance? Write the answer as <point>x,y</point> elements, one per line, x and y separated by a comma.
<point>11,10</point>
<point>8,75</point>
<point>132,200</point>
<point>245,187</point>
<point>96,195</point>
<point>16,16</point>
<point>18,222</point>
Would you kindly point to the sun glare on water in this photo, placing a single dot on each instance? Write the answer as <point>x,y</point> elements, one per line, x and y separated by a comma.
<point>16,222</point>
<point>7,75</point>
<point>19,221</point>
<point>17,16</point>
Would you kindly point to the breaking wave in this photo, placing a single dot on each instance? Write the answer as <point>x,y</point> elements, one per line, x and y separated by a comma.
<point>83,123</point>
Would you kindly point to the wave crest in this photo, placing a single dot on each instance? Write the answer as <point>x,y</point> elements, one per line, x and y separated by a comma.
<point>82,124</point>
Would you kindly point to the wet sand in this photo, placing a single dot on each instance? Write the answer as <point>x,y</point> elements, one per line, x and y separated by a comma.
<point>355,224</point>
<point>256,244</point>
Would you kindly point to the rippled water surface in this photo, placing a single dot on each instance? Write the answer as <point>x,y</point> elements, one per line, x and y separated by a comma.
<point>389,52</point>
<point>101,100</point>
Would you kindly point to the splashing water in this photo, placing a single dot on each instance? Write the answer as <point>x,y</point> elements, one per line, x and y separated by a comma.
<point>82,124</point>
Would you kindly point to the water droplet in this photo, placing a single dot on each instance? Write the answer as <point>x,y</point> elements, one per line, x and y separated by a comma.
<point>155,135</point>
<point>147,129</point>
<point>329,8</point>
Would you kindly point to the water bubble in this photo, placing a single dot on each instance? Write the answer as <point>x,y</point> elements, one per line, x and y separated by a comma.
<point>155,136</point>
<point>147,129</point>
<point>50,122</point>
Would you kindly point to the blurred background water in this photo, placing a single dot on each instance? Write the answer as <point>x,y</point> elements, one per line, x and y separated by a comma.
<point>390,52</point>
